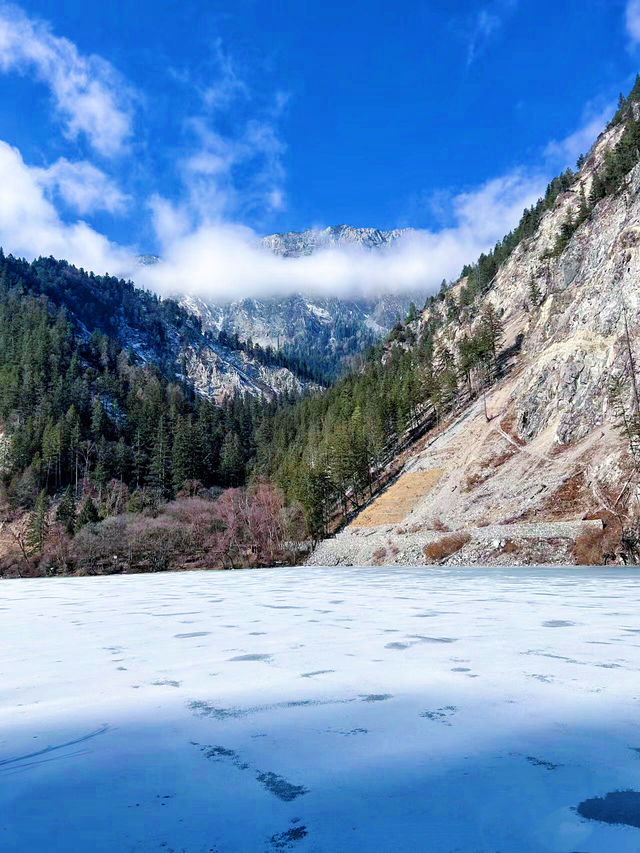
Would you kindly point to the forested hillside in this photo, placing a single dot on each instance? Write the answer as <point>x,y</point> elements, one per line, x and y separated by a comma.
<point>94,425</point>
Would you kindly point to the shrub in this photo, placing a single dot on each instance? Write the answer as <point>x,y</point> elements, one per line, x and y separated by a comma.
<point>378,556</point>
<point>445,547</point>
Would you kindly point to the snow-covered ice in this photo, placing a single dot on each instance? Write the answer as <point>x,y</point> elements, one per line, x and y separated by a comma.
<point>427,709</point>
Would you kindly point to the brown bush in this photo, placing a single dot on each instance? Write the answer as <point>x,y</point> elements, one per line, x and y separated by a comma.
<point>472,481</point>
<point>438,525</point>
<point>378,556</point>
<point>597,547</point>
<point>445,547</point>
<point>587,550</point>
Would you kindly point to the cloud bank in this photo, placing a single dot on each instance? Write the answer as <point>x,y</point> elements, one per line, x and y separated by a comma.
<point>222,261</point>
<point>205,250</point>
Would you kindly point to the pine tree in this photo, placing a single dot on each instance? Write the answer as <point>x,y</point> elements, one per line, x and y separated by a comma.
<point>598,190</point>
<point>182,456</point>
<point>160,461</point>
<point>38,524</point>
<point>139,459</point>
<point>492,331</point>
<point>534,293</point>
<point>98,418</point>
<point>66,513</point>
<point>88,514</point>
<point>231,459</point>
<point>413,313</point>
<point>583,208</point>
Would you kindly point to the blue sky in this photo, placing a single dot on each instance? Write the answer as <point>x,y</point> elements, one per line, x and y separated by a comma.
<point>167,126</point>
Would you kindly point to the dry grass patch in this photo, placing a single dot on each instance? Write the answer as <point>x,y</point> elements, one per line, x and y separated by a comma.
<point>445,547</point>
<point>568,501</point>
<point>393,505</point>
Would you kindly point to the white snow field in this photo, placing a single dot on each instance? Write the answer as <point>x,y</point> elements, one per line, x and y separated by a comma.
<point>311,709</point>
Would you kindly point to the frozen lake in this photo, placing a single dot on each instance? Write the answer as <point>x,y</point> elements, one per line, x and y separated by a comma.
<point>332,710</point>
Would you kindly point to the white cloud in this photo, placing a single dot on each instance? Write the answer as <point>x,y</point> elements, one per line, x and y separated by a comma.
<point>81,186</point>
<point>31,226</point>
<point>227,175</point>
<point>224,261</point>
<point>88,93</point>
<point>566,151</point>
<point>632,20</point>
<point>228,86</point>
<point>484,24</point>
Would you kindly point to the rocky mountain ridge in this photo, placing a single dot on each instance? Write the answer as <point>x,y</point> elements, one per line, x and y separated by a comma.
<point>297,243</point>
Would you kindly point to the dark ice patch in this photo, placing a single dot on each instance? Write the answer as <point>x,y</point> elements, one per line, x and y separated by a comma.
<point>460,669</point>
<point>317,672</point>
<point>192,634</point>
<point>252,657</point>
<point>615,807</point>
<point>539,762</point>
<point>557,623</point>
<point>286,840</point>
<point>206,709</point>
<point>376,697</point>
<point>167,682</point>
<point>221,753</point>
<point>440,715</point>
<point>350,732</point>
<point>280,787</point>
<point>397,646</point>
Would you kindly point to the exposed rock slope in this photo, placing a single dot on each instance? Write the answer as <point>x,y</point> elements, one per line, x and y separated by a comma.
<point>549,452</point>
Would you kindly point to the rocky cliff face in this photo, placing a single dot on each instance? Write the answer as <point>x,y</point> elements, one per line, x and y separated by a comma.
<point>218,372</point>
<point>546,452</point>
<point>277,321</point>
<point>296,243</point>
